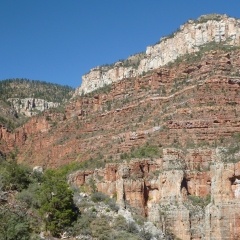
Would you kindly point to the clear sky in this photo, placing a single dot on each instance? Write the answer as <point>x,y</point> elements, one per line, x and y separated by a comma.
<point>58,40</point>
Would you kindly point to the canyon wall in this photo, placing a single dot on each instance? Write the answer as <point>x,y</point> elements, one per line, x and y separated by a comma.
<point>218,28</point>
<point>200,203</point>
<point>31,106</point>
<point>193,191</point>
<point>192,103</point>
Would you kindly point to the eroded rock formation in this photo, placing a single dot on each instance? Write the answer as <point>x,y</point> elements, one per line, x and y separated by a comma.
<point>31,106</point>
<point>193,204</point>
<point>193,34</point>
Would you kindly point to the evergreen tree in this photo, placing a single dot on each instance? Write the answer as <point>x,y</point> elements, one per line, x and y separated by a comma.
<point>56,203</point>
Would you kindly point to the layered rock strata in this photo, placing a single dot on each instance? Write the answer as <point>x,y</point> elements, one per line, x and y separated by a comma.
<point>193,204</point>
<point>188,39</point>
<point>194,102</point>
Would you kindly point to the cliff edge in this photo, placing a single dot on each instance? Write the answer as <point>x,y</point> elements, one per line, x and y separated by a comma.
<point>191,35</point>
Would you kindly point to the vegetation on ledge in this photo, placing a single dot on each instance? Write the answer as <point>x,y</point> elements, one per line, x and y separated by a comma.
<point>25,88</point>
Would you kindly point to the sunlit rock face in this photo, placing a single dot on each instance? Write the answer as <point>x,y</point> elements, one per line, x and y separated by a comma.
<point>31,106</point>
<point>161,190</point>
<point>187,39</point>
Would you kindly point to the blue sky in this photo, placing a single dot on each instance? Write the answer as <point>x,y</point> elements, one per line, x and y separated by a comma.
<point>58,41</point>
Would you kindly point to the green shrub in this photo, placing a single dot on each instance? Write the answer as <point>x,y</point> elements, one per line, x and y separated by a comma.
<point>15,176</point>
<point>101,229</point>
<point>131,227</point>
<point>123,235</point>
<point>145,235</point>
<point>139,219</point>
<point>101,197</point>
<point>146,151</point>
<point>120,223</point>
<point>112,204</point>
<point>92,185</point>
<point>29,196</point>
<point>98,197</point>
<point>14,225</point>
<point>199,201</point>
<point>82,225</point>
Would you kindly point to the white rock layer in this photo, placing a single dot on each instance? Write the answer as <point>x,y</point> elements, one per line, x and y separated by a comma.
<point>187,40</point>
<point>31,106</point>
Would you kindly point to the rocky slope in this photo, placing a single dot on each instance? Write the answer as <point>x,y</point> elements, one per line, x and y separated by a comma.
<point>207,28</point>
<point>23,98</point>
<point>188,104</point>
<point>173,194</point>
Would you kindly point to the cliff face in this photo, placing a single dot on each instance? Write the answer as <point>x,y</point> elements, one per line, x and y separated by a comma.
<point>191,103</point>
<point>31,106</point>
<point>23,98</point>
<point>188,39</point>
<point>193,204</point>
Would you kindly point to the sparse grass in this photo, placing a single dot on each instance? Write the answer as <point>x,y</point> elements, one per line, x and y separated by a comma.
<point>200,201</point>
<point>146,151</point>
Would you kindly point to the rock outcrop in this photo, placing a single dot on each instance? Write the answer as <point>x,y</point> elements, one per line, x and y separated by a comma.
<point>193,204</point>
<point>193,34</point>
<point>31,106</point>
